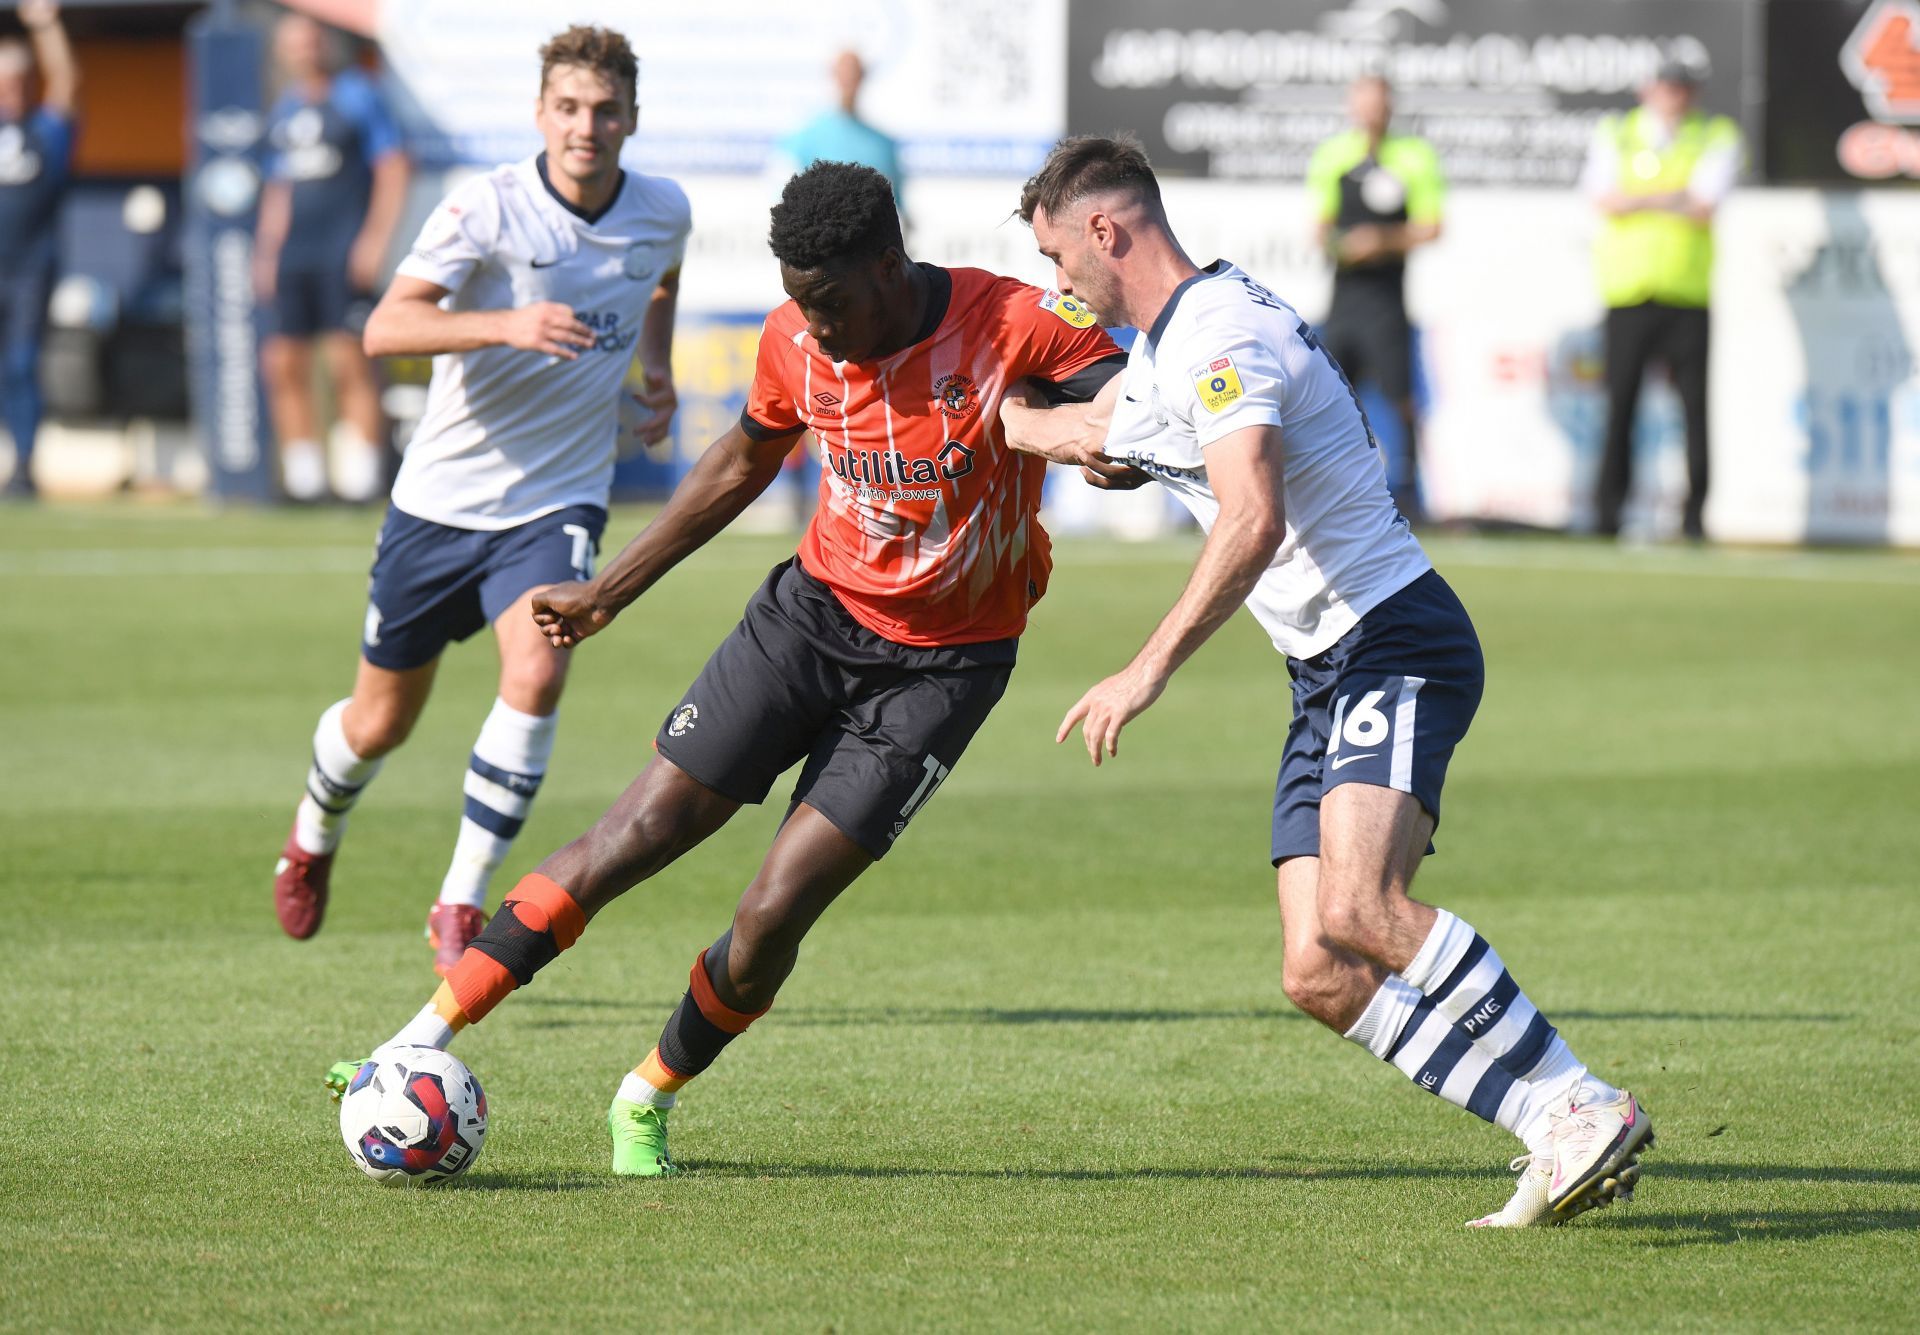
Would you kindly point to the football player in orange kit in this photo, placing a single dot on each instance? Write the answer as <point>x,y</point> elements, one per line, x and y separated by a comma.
<point>873,655</point>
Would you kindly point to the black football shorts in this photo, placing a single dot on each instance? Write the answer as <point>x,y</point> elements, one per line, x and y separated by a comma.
<point>880,725</point>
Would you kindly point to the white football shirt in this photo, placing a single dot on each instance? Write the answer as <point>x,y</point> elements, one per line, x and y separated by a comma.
<point>1226,354</point>
<point>508,435</point>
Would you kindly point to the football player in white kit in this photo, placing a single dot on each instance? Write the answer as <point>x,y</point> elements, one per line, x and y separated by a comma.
<point>534,287</point>
<point>1229,402</point>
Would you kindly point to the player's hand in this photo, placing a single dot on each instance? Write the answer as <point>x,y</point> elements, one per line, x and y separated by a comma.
<point>1103,711</point>
<point>567,613</point>
<point>1108,475</point>
<point>363,264</point>
<point>657,401</point>
<point>549,327</point>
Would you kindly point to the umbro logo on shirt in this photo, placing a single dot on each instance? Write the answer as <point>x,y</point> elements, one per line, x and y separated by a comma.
<point>827,405</point>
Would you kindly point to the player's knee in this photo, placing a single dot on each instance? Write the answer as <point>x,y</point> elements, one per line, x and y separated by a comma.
<point>765,925</point>
<point>534,685</point>
<point>1317,984</point>
<point>1350,922</point>
<point>374,730</point>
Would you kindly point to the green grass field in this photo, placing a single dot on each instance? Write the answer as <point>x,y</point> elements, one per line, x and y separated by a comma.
<point>1036,1071</point>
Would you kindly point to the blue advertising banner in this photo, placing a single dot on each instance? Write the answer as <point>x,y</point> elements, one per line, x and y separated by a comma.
<point>227,139</point>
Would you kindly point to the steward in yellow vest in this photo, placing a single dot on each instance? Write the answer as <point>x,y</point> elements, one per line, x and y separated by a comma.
<point>1657,174</point>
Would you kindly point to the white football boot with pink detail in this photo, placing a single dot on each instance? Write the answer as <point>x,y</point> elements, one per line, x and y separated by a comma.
<point>1596,1154</point>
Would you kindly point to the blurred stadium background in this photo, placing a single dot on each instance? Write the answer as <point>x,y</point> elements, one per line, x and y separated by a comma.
<point>149,368</point>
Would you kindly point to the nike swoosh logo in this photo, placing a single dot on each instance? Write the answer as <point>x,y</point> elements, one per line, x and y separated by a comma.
<point>541,264</point>
<point>1348,760</point>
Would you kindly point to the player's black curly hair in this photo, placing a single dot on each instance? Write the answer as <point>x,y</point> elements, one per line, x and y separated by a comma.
<point>834,211</point>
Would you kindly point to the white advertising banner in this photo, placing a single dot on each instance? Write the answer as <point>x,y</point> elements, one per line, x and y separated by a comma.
<point>1815,396</point>
<point>967,86</point>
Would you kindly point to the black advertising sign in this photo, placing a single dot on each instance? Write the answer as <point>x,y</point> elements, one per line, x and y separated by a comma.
<point>1843,91</point>
<point>1506,90</point>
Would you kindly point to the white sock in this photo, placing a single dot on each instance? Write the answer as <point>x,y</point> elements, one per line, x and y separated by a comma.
<point>334,783</point>
<point>1470,987</point>
<point>509,760</point>
<point>635,1090</point>
<point>425,1030</point>
<point>358,467</point>
<point>303,470</point>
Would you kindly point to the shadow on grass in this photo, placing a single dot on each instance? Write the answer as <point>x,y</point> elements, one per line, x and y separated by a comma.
<point>983,1015</point>
<point>853,1016</point>
<point>1676,1229</point>
<point>1657,1171</point>
<point>600,1181</point>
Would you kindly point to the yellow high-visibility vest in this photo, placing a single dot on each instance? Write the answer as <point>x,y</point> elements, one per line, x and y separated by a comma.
<point>1656,255</point>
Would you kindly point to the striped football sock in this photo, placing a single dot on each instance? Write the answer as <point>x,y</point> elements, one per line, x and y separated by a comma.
<point>509,760</point>
<point>334,783</point>
<point>1402,1026</point>
<point>1471,988</point>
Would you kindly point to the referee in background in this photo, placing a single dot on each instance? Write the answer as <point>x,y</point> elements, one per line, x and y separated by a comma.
<point>1376,197</point>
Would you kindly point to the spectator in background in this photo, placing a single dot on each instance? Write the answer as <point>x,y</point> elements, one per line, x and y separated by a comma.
<point>36,162</point>
<point>1376,197</point>
<point>337,181</point>
<point>1657,174</point>
<point>840,135</point>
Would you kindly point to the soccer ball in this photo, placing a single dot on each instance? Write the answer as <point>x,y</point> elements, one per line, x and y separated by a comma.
<point>412,1116</point>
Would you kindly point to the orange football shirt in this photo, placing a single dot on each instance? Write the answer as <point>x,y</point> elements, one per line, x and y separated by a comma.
<point>928,528</point>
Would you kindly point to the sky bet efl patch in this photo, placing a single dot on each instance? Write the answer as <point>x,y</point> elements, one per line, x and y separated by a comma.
<point>1067,309</point>
<point>1217,383</point>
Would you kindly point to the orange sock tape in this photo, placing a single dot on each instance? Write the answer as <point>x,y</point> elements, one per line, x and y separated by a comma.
<point>543,905</point>
<point>660,1075</point>
<point>718,1013</point>
<point>448,1008</point>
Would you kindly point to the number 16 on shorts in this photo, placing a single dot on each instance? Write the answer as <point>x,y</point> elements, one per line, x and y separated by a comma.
<point>1373,732</point>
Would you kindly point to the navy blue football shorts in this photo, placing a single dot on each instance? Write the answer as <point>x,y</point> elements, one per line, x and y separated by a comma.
<point>312,298</point>
<point>878,724</point>
<point>1385,704</point>
<point>433,584</point>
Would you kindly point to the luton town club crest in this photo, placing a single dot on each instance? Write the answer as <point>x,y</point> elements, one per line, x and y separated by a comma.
<point>956,394</point>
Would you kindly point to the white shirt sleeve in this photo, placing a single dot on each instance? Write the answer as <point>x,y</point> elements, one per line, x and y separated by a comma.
<point>458,235</point>
<point>1601,171</point>
<point>1715,173</point>
<point>677,253</point>
<point>1227,377</point>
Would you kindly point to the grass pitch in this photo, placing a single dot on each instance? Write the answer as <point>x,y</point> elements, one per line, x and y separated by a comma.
<point>1036,1070</point>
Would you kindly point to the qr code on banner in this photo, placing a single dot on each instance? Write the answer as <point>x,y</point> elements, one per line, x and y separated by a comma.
<point>985,59</point>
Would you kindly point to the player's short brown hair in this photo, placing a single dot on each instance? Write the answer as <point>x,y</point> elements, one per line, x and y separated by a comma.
<point>1087,165</point>
<point>599,49</point>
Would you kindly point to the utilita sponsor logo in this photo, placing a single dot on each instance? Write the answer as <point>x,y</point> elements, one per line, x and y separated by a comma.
<point>1882,60</point>
<point>872,468</point>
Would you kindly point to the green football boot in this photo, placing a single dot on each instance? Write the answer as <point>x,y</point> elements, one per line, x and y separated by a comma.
<point>639,1140</point>
<point>340,1075</point>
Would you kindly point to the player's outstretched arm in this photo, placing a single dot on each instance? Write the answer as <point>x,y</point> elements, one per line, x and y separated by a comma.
<point>729,476</point>
<point>1067,433</point>
<point>409,322</point>
<point>1244,470</point>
